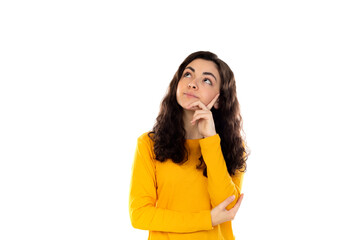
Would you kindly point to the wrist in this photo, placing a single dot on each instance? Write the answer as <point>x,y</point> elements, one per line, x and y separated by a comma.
<point>209,135</point>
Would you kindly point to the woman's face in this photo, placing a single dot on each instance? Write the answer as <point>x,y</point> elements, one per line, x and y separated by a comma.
<point>199,81</point>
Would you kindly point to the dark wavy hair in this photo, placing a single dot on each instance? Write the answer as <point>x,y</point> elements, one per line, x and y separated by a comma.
<point>168,132</point>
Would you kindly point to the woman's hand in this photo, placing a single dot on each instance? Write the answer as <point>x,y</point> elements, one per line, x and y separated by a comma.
<point>219,214</point>
<point>203,117</point>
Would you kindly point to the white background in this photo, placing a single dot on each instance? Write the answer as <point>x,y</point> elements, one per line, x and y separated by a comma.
<point>81,80</point>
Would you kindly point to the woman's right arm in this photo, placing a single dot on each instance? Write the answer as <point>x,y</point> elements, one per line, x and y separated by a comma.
<point>142,201</point>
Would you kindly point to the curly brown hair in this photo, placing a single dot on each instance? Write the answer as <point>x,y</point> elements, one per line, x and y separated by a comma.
<point>168,132</point>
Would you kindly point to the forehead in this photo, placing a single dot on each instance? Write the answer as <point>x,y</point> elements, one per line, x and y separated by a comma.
<point>202,65</point>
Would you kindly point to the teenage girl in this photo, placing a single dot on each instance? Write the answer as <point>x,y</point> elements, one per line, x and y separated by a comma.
<point>188,171</point>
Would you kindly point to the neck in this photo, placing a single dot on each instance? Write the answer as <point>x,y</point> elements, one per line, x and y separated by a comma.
<point>192,131</point>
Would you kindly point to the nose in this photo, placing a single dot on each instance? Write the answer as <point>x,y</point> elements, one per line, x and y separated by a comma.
<point>192,85</point>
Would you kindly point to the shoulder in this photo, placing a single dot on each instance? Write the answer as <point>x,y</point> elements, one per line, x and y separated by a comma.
<point>145,141</point>
<point>145,150</point>
<point>146,137</point>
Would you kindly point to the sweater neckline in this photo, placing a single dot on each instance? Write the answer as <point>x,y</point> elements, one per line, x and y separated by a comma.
<point>193,143</point>
<point>193,140</point>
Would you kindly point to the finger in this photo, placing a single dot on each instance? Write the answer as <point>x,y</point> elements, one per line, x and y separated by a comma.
<point>198,104</point>
<point>211,104</point>
<point>232,212</point>
<point>201,112</point>
<point>238,203</point>
<point>227,201</point>
<point>200,116</point>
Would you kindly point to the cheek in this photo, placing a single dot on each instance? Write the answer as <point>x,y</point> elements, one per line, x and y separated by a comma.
<point>179,90</point>
<point>211,96</point>
<point>181,86</point>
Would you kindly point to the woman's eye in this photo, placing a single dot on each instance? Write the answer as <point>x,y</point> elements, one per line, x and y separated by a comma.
<point>208,81</point>
<point>187,74</point>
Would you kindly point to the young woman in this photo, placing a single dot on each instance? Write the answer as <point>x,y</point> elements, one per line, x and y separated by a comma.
<point>188,171</point>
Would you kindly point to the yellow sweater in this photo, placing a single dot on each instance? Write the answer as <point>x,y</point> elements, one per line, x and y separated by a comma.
<point>174,201</point>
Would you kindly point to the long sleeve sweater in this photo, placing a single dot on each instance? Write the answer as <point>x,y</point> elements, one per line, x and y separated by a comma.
<point>173,201</point>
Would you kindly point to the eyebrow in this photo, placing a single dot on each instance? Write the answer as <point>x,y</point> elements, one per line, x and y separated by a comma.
<point>204,73</point>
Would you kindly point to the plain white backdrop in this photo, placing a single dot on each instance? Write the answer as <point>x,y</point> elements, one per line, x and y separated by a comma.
<point>81,80</point>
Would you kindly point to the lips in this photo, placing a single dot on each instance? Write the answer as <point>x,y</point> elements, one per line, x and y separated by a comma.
<point>191,95</point>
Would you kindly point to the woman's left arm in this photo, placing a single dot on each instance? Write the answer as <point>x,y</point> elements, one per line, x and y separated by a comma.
<point>220,184</point>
